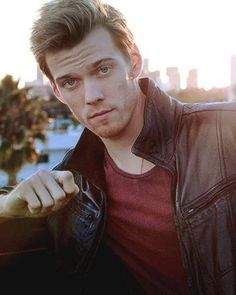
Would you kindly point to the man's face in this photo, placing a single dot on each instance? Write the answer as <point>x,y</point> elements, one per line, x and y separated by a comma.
<point>94,80</point>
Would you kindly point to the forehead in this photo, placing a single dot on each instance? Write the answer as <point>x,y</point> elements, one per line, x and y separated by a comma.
<point>97,45</point>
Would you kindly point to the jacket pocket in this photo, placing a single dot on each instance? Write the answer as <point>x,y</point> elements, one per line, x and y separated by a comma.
<point>213,233</point>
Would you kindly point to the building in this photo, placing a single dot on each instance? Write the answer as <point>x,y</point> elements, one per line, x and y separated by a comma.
<point>232,87</point>
<point>192,79</point>
<point>233,70</point>
<point>38,87</point>
<point>51,152</point>
<point>145,70</point>
<point>154,75</point>
<point>174,78</point>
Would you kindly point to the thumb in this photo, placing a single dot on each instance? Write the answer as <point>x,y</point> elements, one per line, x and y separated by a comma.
<point>66,180</point>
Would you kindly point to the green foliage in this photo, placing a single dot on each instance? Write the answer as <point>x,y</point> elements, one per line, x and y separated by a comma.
<point>21,122</point>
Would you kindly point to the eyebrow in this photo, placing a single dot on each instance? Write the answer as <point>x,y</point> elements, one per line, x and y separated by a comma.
<point>97,63</point>
<point>92,66</point>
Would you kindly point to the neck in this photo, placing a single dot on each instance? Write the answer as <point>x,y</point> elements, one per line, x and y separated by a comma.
<point>120,152</point>
<point>119,147</point>
<point>128,162</point>
<point>124,141</point>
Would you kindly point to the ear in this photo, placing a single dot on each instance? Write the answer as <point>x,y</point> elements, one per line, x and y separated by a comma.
<point>56,91</point>
<point>136,62</point>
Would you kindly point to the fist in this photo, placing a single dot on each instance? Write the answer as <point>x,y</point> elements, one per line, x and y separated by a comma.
<point>39,195</point>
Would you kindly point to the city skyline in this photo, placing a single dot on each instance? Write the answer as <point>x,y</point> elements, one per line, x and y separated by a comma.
<point>186,34</point>
<point>175,81</point>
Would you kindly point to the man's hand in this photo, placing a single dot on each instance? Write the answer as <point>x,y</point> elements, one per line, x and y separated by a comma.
<point>39,195</point>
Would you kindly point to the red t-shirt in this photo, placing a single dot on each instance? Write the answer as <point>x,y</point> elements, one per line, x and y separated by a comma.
<point>141,229</point>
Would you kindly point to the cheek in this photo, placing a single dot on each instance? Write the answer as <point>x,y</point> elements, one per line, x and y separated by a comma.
<point>121,89</point>
<point>76,108</point>
<point>76,111</point>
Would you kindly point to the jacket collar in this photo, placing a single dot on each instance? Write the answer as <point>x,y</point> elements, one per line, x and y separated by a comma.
<point>88,158</point>
<point>162,117</point>
<point>156,141</point>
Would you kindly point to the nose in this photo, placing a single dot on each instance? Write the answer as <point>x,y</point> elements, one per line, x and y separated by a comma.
<point>92,92</point>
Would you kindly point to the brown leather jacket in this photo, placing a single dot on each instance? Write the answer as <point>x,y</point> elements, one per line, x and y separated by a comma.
<point>196,143</point>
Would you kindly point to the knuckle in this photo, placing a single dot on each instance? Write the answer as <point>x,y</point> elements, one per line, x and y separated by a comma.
<point>60,196</point>
<point>68,175</point>
<point>35,207</point>
<point>42,173</point>
<point>48,204</point>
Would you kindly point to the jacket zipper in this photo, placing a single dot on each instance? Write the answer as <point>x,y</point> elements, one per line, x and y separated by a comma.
<point>201,205</point>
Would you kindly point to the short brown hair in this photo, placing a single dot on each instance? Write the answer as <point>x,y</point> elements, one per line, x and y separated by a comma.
<point>64,23</point>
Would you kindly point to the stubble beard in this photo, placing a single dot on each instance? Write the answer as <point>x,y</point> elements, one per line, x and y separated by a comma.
<point>109,131</point>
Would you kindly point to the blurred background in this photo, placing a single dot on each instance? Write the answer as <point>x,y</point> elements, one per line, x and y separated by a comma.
<point>188,48</point>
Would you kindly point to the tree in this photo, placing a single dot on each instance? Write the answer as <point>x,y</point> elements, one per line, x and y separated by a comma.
<point>22,121</point>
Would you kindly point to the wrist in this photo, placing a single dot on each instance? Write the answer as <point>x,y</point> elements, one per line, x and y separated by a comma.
<point>3,215</point>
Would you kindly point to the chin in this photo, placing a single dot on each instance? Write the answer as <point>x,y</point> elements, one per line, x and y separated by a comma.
<point>108,132</point>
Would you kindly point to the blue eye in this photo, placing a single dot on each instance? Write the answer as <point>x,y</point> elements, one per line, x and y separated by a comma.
<point>104,70</point>
<point>70,83</point>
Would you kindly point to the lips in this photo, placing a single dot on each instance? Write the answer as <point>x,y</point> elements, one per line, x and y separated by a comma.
<point>100,113</point>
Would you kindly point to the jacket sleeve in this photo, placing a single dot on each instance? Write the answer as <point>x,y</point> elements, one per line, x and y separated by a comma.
<point>25,246</point>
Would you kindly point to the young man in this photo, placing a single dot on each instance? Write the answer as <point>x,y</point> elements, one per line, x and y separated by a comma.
<point>146,201</point>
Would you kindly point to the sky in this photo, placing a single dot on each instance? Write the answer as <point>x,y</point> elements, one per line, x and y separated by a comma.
<point>171,33</point>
